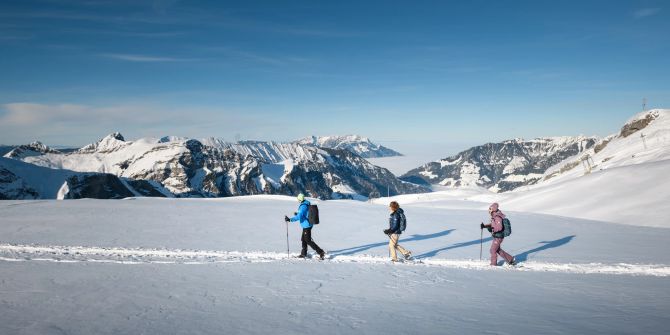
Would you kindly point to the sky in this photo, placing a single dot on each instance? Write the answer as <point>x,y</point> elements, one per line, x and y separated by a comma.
<point>437,75</point>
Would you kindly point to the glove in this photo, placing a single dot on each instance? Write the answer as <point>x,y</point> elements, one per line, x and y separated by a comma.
<point>286,218</point>
<point>482,226</point>
<point>387,231</point>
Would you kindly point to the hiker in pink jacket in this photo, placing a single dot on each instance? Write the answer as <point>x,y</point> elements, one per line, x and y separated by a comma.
<point>496,228</point>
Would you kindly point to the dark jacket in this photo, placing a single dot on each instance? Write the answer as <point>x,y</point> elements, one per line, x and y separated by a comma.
<point>394,221</point>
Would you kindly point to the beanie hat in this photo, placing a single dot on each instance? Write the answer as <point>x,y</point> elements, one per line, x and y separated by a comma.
<point>301,197</point>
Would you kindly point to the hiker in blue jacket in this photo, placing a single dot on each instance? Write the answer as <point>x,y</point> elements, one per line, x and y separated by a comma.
<point>306,238</point>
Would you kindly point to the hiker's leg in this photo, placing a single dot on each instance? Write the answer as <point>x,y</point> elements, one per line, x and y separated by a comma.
<point>495,246</point>
<point>306,233</point>
<point>402,250</point>
<point>311,243</point>
<point>504,254</point>
<point>393,242</point>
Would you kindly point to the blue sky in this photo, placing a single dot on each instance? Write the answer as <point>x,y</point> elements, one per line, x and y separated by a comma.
<point>445,73</point>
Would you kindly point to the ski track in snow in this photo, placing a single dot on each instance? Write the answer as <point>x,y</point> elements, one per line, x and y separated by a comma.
<point>76,254</point>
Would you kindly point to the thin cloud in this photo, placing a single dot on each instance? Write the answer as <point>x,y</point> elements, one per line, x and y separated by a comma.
<point>76,124</point>
<point>139,34</point>
<point>145,58</point>
<point>645,12</point>
<point>254,57</point>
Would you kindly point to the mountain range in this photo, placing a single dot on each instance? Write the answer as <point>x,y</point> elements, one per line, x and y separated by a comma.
<point>501,166</point>
<point>179,167</point>
<point>324,167</point>
<point>516,165</point>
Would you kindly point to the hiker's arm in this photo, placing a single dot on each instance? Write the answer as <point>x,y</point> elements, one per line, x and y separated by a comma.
<point>301,213</point>
<point>395,222</point>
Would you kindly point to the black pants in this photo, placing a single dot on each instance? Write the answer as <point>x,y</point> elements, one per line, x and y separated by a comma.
<point>307,240</point>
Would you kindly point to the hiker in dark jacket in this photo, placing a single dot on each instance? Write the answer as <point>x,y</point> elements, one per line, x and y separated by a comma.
<point>394,231</point>
<point>495,227</point>
<point>301,216</point>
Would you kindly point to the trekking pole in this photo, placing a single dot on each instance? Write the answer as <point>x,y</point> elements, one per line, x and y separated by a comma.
<point>481,241</point>
<point>288,255</point>
<point>389,249</point>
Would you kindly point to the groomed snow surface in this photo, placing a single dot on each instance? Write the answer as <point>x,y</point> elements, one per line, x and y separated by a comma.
<point>219,266</point>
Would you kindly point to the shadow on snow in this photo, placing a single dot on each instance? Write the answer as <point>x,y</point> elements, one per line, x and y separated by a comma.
<point>415,237</point>
<point>453,246</point>
<point>522,257</point>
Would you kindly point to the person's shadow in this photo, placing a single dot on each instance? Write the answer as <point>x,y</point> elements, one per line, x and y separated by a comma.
<point>415,237</point>
<point>522,257</point>
<point>453,246</point>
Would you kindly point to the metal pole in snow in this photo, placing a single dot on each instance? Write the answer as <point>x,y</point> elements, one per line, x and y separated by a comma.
<point>481,242</point>
<point>288,255</point>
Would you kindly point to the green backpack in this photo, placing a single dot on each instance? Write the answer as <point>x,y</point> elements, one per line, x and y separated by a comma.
<point>506,231</point>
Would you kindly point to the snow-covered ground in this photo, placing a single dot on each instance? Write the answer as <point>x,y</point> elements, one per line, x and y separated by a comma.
<point>212,266</point>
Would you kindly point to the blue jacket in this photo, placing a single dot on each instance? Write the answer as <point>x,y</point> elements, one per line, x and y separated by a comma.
<point>394,221</point>
<point>302,215</point>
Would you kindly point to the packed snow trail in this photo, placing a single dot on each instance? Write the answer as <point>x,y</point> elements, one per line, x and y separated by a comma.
<point>52,253</point>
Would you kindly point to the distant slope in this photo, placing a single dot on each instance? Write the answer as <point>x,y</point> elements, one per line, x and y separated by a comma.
<point>23,181</point>
<point>4,149</point>
<point>642,139</point>
<point>500,166</point>
<point>632,194</point>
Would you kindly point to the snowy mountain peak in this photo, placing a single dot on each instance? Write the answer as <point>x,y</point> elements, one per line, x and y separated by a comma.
<point>109,143</point>
<point>168,139</point>
<point>35,148</point>
<point>116,136</point>
<point>357,144</point>
<point>642,120</point>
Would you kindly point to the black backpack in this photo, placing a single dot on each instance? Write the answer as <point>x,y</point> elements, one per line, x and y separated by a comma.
<point>313,214</point>
<point>403,222</point>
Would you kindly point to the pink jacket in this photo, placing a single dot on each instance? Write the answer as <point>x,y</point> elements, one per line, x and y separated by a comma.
<point>496,221</point>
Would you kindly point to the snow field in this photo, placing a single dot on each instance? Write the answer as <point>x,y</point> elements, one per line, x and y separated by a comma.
<point>322,297</point>
<point>212,266</point>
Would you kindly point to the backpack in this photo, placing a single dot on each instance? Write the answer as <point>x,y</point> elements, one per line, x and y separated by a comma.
<point>313,214</point>
<point>403,222</point>
<point>507,227</point>
<point>506,231</point>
